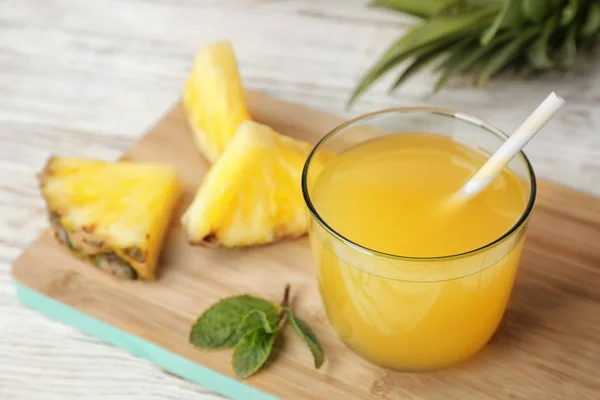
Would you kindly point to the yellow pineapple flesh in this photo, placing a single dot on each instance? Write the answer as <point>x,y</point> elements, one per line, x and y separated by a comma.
<point>114,215</point>
<point>252,195</point>
<point>214,99</point>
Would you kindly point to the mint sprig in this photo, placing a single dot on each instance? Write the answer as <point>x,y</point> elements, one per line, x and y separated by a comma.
<point>219,326</point>
<point>257,319</point>
<point>309,337</point>
<point>251,352</point>
<point>250,325</point>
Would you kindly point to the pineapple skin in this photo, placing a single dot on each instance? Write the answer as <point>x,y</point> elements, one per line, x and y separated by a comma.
<point>119,210</point>
<point>214,99</point>
<point>252,195</point>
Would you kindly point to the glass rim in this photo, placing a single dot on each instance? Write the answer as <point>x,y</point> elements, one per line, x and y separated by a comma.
<point>431,110</point>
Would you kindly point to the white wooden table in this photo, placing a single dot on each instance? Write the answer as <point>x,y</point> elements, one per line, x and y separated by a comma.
<point>89,77</point>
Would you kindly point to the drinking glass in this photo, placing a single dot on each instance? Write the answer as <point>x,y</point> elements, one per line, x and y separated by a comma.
<point>408,313</point>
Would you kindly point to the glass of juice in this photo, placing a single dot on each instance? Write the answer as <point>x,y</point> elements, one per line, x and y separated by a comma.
<point>406,281</point>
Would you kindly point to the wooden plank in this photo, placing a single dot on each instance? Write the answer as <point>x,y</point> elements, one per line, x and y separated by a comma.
<point>548,345</point>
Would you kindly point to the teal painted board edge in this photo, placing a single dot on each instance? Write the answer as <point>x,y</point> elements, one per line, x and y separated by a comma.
<point>165,359</point>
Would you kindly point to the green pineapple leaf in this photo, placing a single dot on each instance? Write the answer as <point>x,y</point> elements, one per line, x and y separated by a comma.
<point>419,63</point>
<point>466,58</point>
<point>538,52</point>
<point>504,55</point>
<point>456,53</point>
<point>569,12</point>
<point>534,10</point>
<point>441,28</point>
<point>521,35</point>
<point>421,8</point>
<point>565,55</point>
<point>591,26</point>
<point>508,13</point>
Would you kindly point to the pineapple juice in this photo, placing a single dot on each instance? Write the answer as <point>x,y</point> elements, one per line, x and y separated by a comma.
<point>386,195</point>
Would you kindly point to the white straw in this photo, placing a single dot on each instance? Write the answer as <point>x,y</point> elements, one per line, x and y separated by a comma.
<point>513,145</point>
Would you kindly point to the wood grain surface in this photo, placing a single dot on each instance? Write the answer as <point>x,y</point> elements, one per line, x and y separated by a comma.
<point>88,78</point>
<point>547,347</point>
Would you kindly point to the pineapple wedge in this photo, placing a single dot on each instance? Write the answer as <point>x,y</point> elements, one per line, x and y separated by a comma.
<point>252,195</point>
<point>114,215</point>
<point>214,99</point>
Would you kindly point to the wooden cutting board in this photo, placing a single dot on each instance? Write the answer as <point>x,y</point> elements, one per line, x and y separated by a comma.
<point>548,346</point>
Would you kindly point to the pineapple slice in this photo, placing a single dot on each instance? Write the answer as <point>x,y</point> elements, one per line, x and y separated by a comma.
<point>112,214</point>
<point>214,99</point>
<point>252,195</point>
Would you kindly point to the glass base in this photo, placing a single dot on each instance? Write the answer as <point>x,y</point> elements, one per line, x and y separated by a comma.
<point>415,367</point>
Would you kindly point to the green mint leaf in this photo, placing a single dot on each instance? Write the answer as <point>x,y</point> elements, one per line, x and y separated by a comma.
<point>257,319</point>
<point>251,352</point>
<point>309,337</point>
<point>218,326</point>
